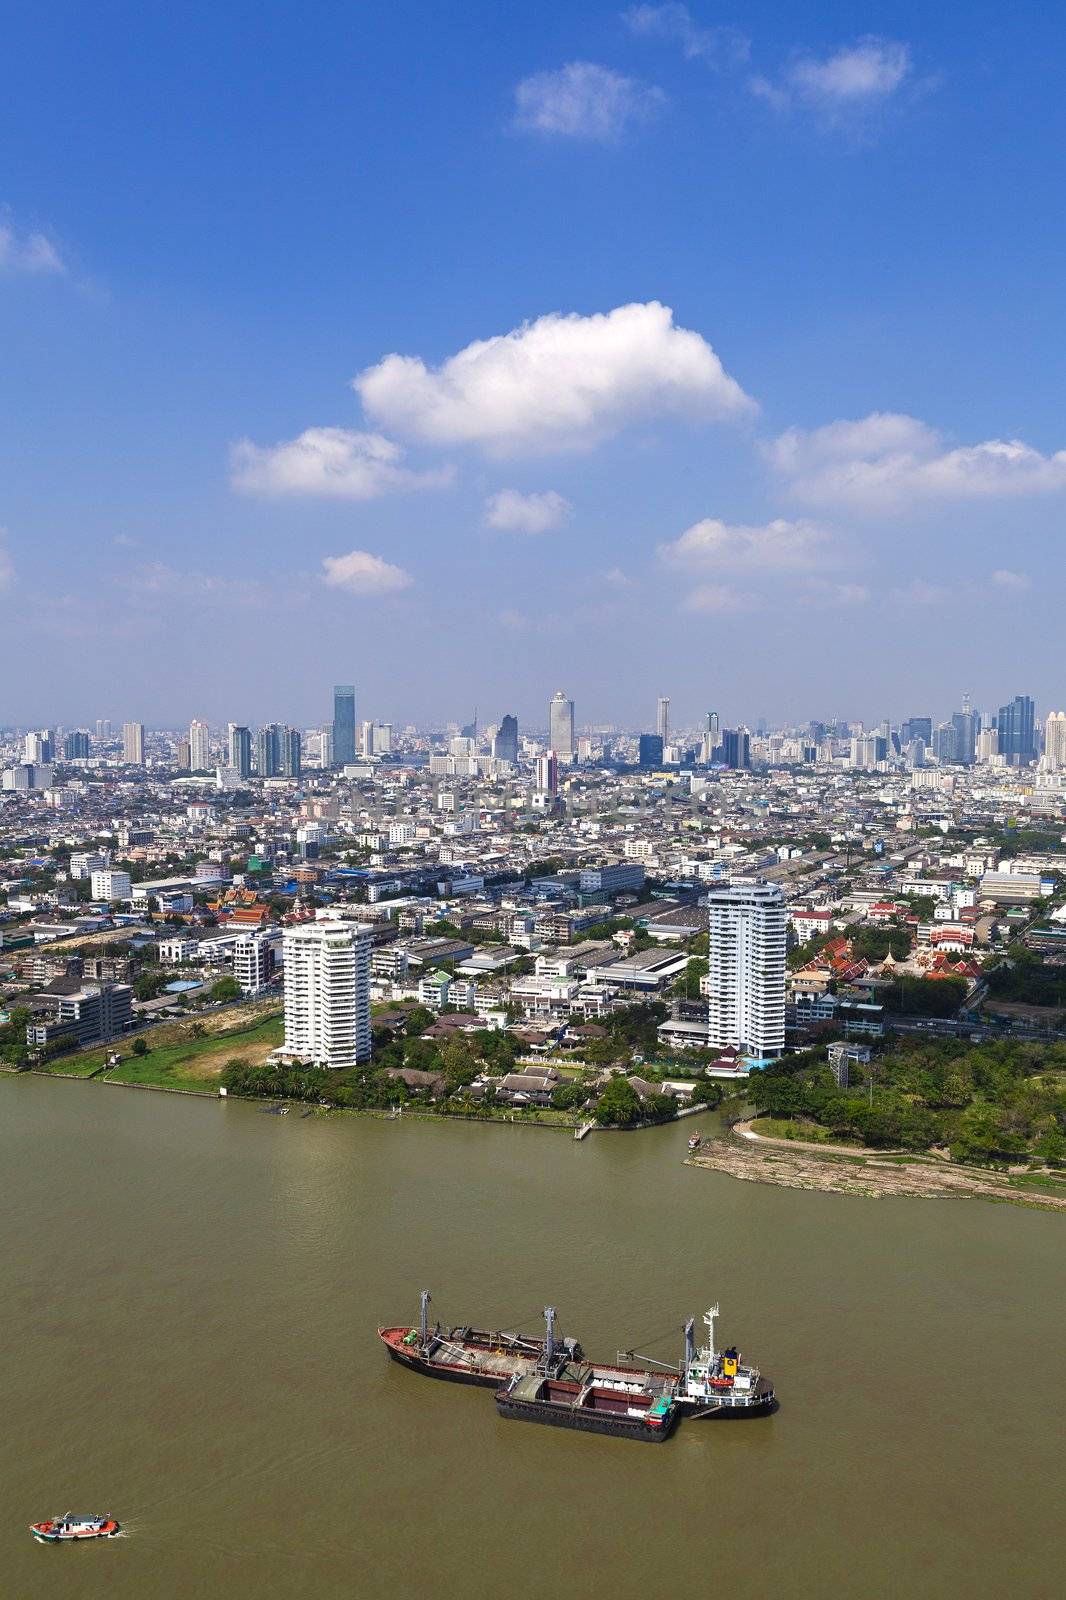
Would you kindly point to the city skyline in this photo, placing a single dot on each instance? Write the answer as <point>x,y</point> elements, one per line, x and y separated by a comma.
<point>721,356</point>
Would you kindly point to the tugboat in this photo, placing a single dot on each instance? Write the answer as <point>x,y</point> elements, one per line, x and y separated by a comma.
<point>695,1142</point>
<point>482,1356</point>
<point>717,1383</point>
<point>61,1530</point>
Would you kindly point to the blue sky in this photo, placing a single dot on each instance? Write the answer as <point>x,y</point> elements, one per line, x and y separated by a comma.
<point>464,352</point>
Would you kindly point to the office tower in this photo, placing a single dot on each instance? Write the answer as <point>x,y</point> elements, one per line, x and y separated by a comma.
<point>290,752</point>
<point>917,728</point>
<point>365,742</point>
<point>561,726</point>
<point>945,742</point>
<point>268,751</point>
<point>103,727</point>
<point>253,962</point>
<point>325,747</point>
<point>987,744</point>
<point>505,743</point>
<point>469,731</point>
<point>183,755</point>
<point>327,993</point>
<point>650,750</point>
<point>38,747</point>
<point>240,749</point>
<point>199,746</point>
<point>1016,727</point>
<point>1055,742</point>
<point>662,719</point>
<point>548,773</point>
<point>746,972</point>
<point>736,748</point>
<point>76,746</point>
<point>133,744</point>
<point>967,725</point>
<point>382,738</point>
<point>343,724</point>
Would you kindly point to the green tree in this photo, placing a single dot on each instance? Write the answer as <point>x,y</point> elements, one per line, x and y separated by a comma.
<point>618,1105</point>
<point>225,989</point>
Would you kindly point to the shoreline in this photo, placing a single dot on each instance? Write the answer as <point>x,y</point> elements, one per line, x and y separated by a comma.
<point>791,1164</point>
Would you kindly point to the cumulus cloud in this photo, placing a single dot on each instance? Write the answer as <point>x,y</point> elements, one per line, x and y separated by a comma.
<point>855,77</point>
<point>359,572</point>
<point>677,24</point>
<point>526,513</point>
<point>559,383</point>
<point>1013,582</point>
<point>718,600</point>
<point>887,460</point>
<point>720,546</point>
<point>26,252</point>
<point>336,462</point>
<point>583,101</point>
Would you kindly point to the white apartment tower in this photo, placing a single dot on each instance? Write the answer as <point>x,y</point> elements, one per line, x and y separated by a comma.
<point>253,962</point>
<point>1055,742</point>
<point>327,994</point>
<point>561,727</point>
<point>199,741</point>
<point>746,976</point>
<point>662,718</point>
<point>133,744</point>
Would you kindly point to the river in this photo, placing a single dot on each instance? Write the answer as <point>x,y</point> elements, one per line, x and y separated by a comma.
<point>190,1293</point>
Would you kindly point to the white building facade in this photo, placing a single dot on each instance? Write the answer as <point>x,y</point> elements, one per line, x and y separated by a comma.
<point>746,976</point>
<point>327,994</point>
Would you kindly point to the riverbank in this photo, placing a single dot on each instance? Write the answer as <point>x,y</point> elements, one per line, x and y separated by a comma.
<point>790,1164</point>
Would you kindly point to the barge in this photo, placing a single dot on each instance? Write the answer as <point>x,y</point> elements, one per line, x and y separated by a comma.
<point>549,1380</point>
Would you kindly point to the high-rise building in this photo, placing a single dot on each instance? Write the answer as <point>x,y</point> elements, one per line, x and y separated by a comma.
<point>561,726</point>
<point>183,755</point>
<point>712,738</point>
<point>39,747</point>
<point>253,962</point>
<point>325,747</point>
<point>1055,742</point>
<point>987,745</point>
<point>650,750</point>
<point>103,727</point>
<point>917,728</point>
<point>240,749</point>
<point>268,751</point>
<point>505,742</point>
<point>290,752</point>
<point>1016,726</point>
<point>746,968</point>
<point>343,724</point>
<point>382,738</point>
<point>967,725</point>
<point>548,773</point>
<point>662,719</point>
<point>76,746</point>
<point>327,994</point>
<point>133,744</point>
<point>736,748</point>
<point>946,742</point>
<point>199,746</point>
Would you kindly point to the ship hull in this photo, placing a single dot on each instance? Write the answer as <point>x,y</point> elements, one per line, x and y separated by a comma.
<point>616,1427</point>
<point>447,1372</point>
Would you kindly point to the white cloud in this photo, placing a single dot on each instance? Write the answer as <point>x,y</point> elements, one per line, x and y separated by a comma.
<point>583,101</point>
<point>336,462</point>
<point>676,23</point>
<point>361,573</point>
<point>718,599</point>
<point>855,77</point>
<point>618,579</point>
<point>1014,582</point>
<point>886,460</point>
<point>561,382</point>
<point>26,252</point>
<point>773,547</point>
<point>526,513</point>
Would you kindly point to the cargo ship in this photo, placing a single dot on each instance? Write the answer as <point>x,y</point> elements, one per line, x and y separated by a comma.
<point>549,1379</point>
<point>481,1356</point>
<point>61,1530</point>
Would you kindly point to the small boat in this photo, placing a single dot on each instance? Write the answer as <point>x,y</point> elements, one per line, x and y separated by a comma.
<point>61,1530</point>
<point>695,1142</point>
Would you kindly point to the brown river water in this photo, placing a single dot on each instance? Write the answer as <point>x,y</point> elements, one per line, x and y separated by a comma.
<point>190,1292</point>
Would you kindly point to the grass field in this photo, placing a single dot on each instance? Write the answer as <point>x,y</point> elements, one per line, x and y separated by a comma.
<point>177,1058</point>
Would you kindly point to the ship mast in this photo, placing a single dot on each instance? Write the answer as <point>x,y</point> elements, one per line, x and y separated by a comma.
<point>549,1335</point>
<point>690,1342</point>
<point>709,1320</point>
<point>423,1316</point>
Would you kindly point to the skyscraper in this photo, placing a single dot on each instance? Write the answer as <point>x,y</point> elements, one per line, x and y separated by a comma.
<point>290,752</point>
<point>505,742</point>
<point>133,744</point>
<point>662,719</point>
<point>746,972</point>
<point>967,725</point>
<point>736,748</point>
<point>1055,742</point>
<point>327,993</point>
<point>240,749</point>
<point>650,750</point>
<point>268,751</point>
<point>548,773</point>
<point>76,746</point>
<point>1016,726</point>
<point>343,724</point>
<point>561,726</point>
<point>199,742</point>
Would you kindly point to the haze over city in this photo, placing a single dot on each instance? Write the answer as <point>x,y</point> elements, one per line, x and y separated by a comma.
<point>648,350</point>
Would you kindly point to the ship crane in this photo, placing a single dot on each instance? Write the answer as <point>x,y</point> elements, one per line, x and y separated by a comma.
<point>709,1320</point>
